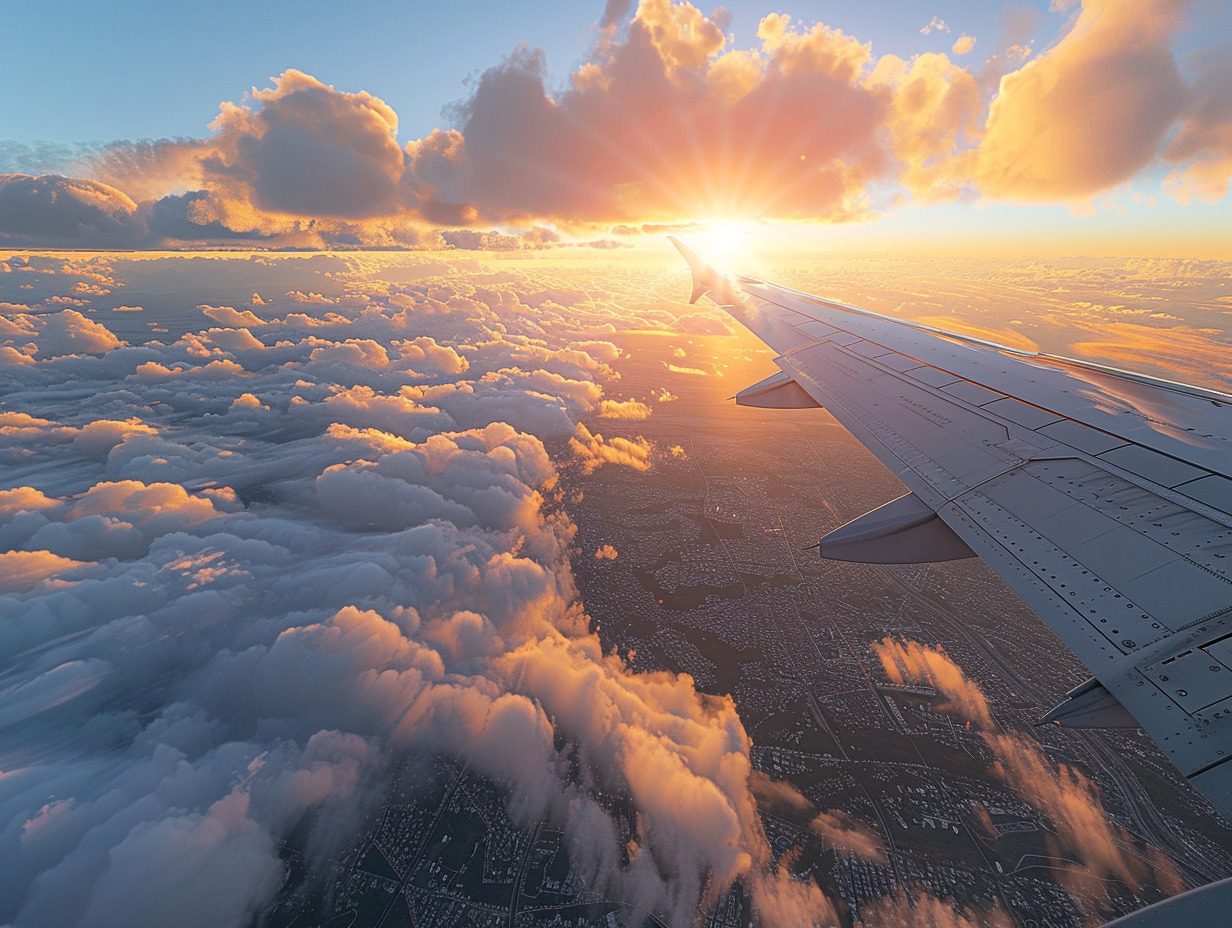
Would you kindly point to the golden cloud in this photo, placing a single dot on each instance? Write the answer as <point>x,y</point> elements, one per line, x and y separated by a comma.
<point>1069,798</point>
<point>1090,112</point>
<point>665,121</point>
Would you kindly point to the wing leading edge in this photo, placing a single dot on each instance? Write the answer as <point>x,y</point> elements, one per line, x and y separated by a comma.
<point>1103,497</point>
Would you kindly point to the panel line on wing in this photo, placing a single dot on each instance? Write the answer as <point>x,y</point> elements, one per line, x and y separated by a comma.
<point>1094,602</point>
<point>1191,426</point>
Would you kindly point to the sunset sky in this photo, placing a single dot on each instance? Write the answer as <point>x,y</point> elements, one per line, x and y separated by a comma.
<point>272,523</point>
<point>964,127</point>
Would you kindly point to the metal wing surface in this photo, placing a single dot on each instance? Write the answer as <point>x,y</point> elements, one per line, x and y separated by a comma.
<point>1102,497</point>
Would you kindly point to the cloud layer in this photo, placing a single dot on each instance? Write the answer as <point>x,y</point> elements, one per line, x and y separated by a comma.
<point>248,565</point>
<point>665,119</point>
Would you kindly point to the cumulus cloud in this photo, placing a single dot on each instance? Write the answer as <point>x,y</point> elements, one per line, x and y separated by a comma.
<point>630,138</point>
<point>53,210</point>
<point>624,409</point>
<point>231,317</point>
<point>1091,111</point>
<point>663,121</point>
<point>633,136</point>
<point>593,450</point>
<point>304,149</point>
<point>249,567</point>
<point>56,334</point>
<point>21,570</point>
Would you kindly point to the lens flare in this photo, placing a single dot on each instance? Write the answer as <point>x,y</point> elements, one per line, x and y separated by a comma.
<point>726,243</point>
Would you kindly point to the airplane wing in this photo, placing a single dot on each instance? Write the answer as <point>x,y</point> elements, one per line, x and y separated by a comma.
<point>1104,498</point>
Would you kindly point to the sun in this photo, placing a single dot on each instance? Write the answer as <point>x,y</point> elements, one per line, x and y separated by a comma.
<point>725,242</point>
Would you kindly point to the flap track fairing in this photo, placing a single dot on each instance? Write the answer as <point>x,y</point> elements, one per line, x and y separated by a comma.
<point>778,391</point>
<point>1090,705</point>
<point>903,531</point>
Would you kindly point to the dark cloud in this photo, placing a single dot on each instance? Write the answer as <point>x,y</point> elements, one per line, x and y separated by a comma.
<point>172,217</point>
<point>53,210</point>
<point>1204,144</point>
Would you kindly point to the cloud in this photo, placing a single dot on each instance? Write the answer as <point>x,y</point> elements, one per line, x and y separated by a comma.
<point>1105,851</point>
<point>677,369</point>
<point>311,150</point>
<point>664,121</point>
<point>305,150</point>
<point>606,553</point>
<point>424,352</point>
<point>361,351</point>
<point>593,450</point>
<point>56,334</point>
<point>625,140</point>
<point>300,150</point>
<point>933,122</point>
<point>1011,338</point>
<point>53,210</point>
<point>1177,350</point>
<point>231,317</point>
<point>624,409</point>
<point>910,661</point>
<point>22,570</point>
<point>98,438</point>
<point>1091,111</point>
<point>631,139</point>
<point>1204,143</point>
<point>848,835</point>
<point>474,240</point>
<point>249,568</point>
<point>924,911</point>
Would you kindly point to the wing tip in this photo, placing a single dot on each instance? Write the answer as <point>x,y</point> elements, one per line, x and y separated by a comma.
<point>703,273</point>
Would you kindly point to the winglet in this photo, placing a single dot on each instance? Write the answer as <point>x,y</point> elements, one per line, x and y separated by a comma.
<point>704,276</point>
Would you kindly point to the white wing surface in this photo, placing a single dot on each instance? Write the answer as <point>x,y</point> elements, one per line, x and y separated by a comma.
<point>1102,497</point>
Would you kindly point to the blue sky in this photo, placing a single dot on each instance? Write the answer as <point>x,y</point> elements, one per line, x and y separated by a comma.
<point>141,70</point>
